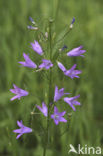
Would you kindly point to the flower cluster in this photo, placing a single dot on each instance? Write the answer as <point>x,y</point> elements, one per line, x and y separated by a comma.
<point>46,64</point>
<point>58,93</point>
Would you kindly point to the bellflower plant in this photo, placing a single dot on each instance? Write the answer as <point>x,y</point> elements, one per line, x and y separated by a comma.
<point>55,98</point>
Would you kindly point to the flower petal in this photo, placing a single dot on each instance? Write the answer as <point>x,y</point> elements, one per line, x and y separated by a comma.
<point>17,131</point>
<point>61,119</point>
<point>56,121</point>
<point>18,136</point>
<point>56,94</point>
<point>76,103</point>
<point>55,110</point>
<point>15,97</point>
<point>20,123</point>
<point>61,113</point>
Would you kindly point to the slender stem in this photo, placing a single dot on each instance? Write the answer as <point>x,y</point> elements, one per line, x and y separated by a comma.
<point>41,33</point>
<point>64,35</point>
<point>50,79</point>
<point>49,96</point>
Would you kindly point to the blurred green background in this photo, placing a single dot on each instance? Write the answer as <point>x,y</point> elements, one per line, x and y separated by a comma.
<point>86,124</point>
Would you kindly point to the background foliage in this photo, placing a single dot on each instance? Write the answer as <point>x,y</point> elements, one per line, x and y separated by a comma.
<point>86,123</point>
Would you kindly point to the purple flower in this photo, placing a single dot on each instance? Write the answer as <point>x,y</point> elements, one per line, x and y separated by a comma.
<point>19,92</point>
<point>76,52</point>
<point>71,72</point>
<point>46,64</point>
<point>58,93</point>
<point>32,28</point>
<point>61,66</point>
<point>72,101</point>
<point>23,129</point>
<point>28,62</point>
<point>37,48</point>
<point>33,22</point>
<point>73,20</point>
<point>43,109</point>
<point>58,116</point>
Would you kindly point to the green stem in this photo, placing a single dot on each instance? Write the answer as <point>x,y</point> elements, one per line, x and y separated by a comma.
<point>49,96</point>
<point>44,152</point>
<point>50,78</point>
<point>64,35</point>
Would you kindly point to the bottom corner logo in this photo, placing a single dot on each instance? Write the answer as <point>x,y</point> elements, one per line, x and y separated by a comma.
<point>85,150</point>
<point>72,149</point>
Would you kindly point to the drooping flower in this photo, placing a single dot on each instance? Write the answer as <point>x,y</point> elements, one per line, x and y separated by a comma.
<point>71,72</point>
<point>19,92</point>
<point>58,116</point>
<point>37,48</point>
<point>43,109</point>
<point>23,129</point>
<point>58,93</point>
<point>28,62</point>
<point>72,101</point>
<point>76,52</point>
<point>46,64</point>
